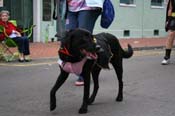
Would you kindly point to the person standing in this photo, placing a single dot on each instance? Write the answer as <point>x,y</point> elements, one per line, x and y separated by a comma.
<point>170,28</point>
<point>83,14</point>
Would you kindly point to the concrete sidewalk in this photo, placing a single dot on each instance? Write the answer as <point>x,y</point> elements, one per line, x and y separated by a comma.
<point>50,50</point>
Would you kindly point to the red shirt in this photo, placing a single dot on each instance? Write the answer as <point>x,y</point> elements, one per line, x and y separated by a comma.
<point>9,27</point>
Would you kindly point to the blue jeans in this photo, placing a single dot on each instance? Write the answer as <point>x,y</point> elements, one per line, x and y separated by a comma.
<point>83,19</point>
<point>23,44</point>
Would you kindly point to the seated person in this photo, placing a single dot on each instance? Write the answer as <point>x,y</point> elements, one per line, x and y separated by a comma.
<point>13,32</point>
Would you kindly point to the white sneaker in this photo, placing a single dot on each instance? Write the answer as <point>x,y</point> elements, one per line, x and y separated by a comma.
<point>165,62</point>
<point>79,83</point>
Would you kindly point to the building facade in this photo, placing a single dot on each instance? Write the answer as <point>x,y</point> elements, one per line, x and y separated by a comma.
<point>133,18</point>
<point>138,19</point>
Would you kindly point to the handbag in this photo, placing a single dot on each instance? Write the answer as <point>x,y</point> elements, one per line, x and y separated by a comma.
<point>107,15</point>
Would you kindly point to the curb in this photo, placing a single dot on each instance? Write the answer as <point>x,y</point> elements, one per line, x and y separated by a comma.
<point>54,58</point>
<point>134,48</point>
<point>148,48</point>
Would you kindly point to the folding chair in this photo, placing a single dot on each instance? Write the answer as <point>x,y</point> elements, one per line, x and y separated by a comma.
<point>8,43</point>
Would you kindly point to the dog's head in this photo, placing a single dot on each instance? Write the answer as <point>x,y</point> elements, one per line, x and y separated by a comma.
<point>77,44</point>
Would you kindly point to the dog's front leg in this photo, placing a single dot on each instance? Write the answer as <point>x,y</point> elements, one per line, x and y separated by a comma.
<point>84,105</point>
<point>86,76</point>
<point>95,76</point>
<point>61,79</point>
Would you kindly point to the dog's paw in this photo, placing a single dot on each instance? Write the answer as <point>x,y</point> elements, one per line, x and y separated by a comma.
<point>82,110</point>
<point>52,101</point>
<point>119,99</point>
<point>52,106</point>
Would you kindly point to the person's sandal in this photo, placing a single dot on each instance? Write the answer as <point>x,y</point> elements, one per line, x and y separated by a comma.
<point>27,60</point>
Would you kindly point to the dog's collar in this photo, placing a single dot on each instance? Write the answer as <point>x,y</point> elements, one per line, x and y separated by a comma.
<point>64,51</point>
<point>94,40</point>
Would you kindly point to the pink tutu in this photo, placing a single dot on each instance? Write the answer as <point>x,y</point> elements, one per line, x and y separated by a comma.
<point>69,67</point>
<point>76,67</point>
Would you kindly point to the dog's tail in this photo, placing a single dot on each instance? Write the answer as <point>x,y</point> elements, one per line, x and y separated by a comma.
<point>129,52</point>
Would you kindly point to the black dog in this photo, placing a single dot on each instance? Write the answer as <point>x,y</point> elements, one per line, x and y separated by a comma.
<point>106,47</point>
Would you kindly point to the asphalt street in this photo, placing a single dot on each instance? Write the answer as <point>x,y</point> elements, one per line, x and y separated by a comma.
<point>149,89</point>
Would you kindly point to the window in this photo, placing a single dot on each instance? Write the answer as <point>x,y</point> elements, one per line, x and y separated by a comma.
<point>46,10</point>
<point>156,32</point>
<point>126,33</point>
<point>130,3</point>
<point>126,1</point>
<point>157,3</point>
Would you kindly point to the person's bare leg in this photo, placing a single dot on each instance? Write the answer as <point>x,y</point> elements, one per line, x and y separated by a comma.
<point>169,45</point>
<point>170,39</point>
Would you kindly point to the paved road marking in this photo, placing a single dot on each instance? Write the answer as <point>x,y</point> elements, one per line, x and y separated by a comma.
<point>27,65</point>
